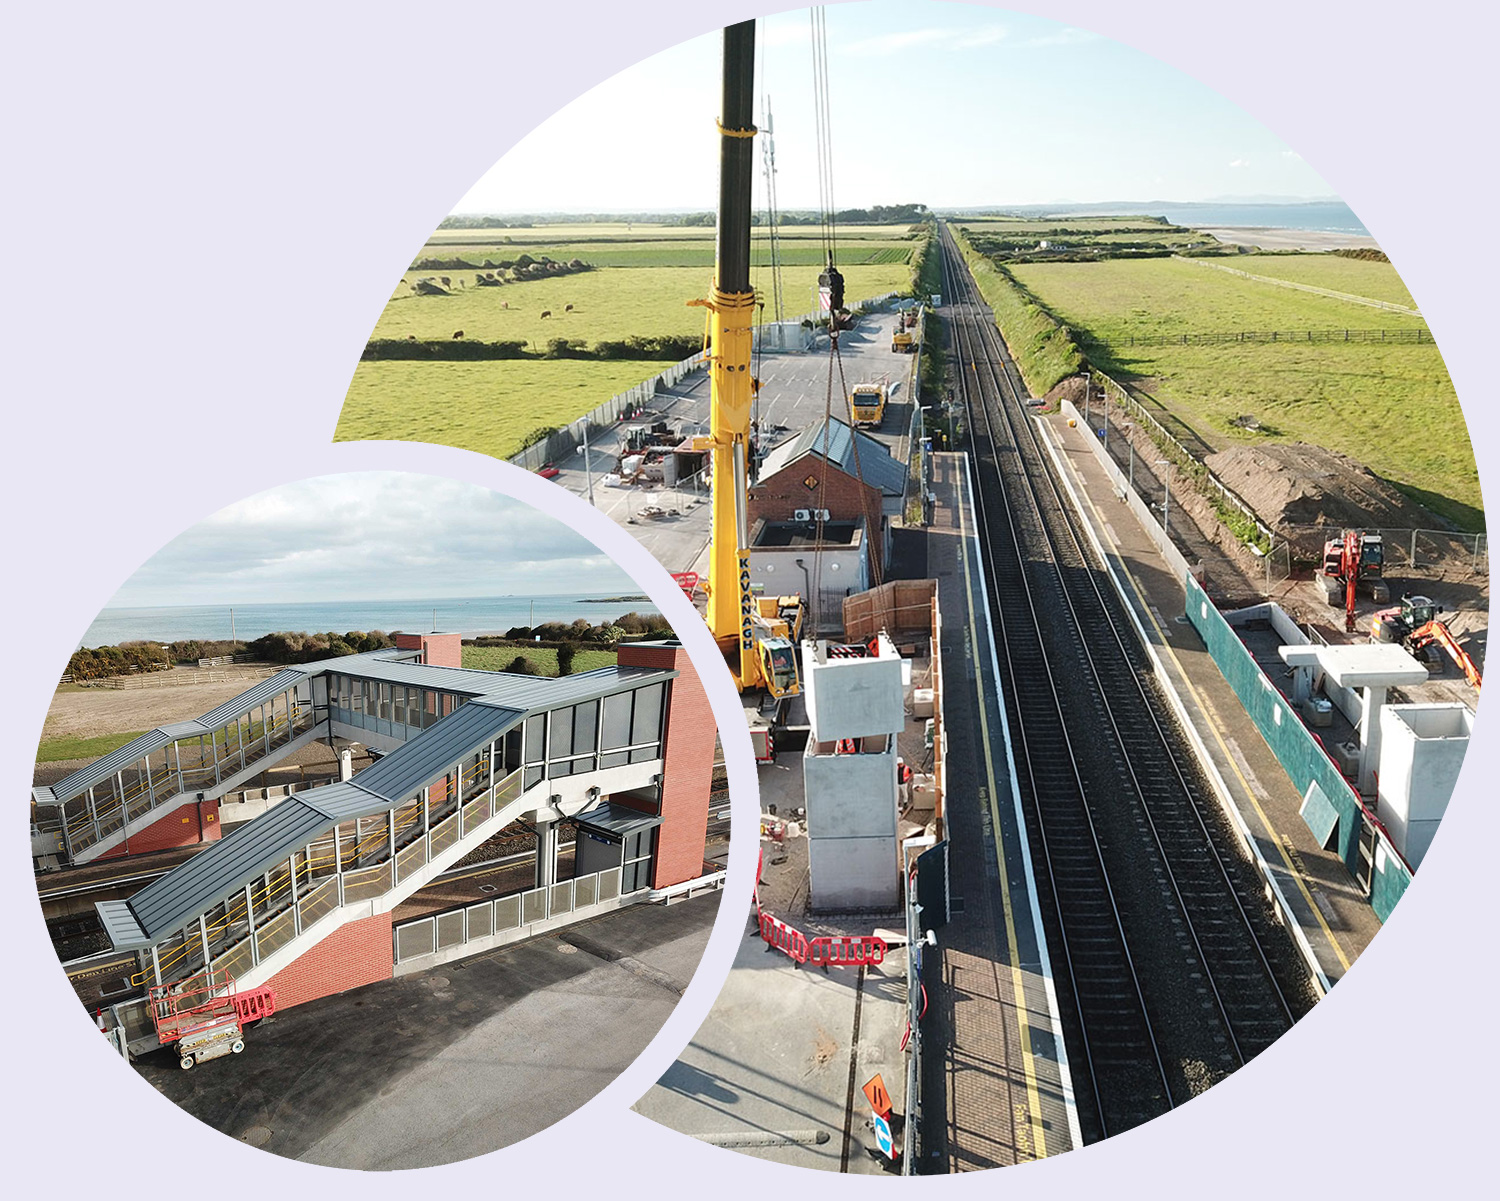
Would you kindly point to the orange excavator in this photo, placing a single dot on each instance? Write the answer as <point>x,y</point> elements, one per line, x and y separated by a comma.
<point>1348,561</point>
<point>1415,625</point>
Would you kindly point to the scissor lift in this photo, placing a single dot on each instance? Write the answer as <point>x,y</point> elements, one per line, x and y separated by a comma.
<point>205,1015</point>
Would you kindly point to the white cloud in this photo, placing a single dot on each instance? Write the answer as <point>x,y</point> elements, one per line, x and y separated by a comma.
<point>887,44</point>
<point>1067,36</point>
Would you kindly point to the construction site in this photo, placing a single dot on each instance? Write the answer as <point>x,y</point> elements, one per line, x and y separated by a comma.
<point>1026,711</point>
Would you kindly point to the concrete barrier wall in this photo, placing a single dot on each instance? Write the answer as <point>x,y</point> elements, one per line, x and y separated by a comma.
<point>1295,747</point>
<point>1142,511</point>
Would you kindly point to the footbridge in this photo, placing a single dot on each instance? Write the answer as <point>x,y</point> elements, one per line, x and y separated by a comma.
<point>161,789</point>
<point>301,897</point>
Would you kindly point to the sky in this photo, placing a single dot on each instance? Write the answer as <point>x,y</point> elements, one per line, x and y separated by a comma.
<point>1069,117</point>
<point>371,535</point>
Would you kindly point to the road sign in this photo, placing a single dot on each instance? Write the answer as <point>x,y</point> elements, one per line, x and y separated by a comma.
<point>883,1138</point>
<point>880,1100</point>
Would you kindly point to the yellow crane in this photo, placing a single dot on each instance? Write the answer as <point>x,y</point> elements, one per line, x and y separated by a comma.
<point>756,634</point>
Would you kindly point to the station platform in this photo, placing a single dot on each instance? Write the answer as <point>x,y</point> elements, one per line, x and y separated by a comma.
<point>1334,921</point>
<point>1004,1068</point>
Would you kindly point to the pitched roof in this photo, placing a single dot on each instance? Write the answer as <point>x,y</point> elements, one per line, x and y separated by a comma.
<point>876,467</point>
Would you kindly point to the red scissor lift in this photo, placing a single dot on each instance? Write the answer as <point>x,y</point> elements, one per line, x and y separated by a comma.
<point>205,1015</point>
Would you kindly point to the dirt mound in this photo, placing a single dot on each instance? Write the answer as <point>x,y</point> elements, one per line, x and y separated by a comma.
<point>1302,485</point>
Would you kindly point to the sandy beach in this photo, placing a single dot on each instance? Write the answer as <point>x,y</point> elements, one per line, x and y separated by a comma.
<point>1268,238</point>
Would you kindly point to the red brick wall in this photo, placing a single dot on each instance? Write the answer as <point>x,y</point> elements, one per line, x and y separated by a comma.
<point>688,765</point>
<point>356,953</point>
<point>438,650</point>
<point>778,497</point>
<point>196,821</point>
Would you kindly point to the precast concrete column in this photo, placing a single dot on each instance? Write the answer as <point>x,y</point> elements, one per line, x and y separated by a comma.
<point>546,854</point>
<point>1369,738</point>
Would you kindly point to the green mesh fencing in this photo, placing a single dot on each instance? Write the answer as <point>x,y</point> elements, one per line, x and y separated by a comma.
<point>1298,750</point>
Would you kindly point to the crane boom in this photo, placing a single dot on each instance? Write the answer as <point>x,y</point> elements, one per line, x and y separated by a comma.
<point>759,652</point>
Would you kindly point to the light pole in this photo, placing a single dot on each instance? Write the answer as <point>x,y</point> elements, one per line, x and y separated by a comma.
<point>1166,504</point>
<point>1130,442</point>
<point>588,468</point>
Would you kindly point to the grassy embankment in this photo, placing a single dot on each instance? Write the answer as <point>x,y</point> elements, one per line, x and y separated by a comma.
<point>1393,407</point>
<point>491,406</point>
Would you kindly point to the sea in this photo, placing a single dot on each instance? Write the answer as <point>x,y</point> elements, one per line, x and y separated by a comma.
<point>469,616</point>
<point>1324,216</point>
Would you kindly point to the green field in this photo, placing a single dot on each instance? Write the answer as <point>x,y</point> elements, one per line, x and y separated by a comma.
<point>1377,281</point>
<point>657,253</point>
<point>487,407</point>
<point>544,659</point>
<point>1392,407</point>
<point>644,277</point>
<point>610,303</point>
<point>60,750</point>
<point>444,240</point>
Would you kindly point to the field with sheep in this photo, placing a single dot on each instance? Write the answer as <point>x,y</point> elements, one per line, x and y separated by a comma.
<point>584,284</point>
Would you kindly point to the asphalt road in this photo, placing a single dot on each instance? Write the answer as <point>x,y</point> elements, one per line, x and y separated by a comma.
<point>457,1061</point>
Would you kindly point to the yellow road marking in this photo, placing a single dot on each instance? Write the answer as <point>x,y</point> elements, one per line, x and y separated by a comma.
<point>1018,982</point>
<point>1213,726</point>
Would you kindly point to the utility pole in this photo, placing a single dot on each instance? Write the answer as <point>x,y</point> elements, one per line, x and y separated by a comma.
<point>1166,504</point>
<point>588,467</point>
<point>232,638</point>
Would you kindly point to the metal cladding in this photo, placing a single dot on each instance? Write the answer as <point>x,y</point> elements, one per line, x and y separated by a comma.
<point>617,820</point>
<point>184,892</point>
<point>457,736</point>
<point>504,701</point>
<point>154,740</point>
<point>876,466</point>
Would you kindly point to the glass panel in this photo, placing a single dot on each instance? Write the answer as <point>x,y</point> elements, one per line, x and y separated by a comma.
<point>609,884</point>
<point>513,750</point>
<point>585,891</point>
<point>480,920</point>
<point>476,811</point>
<point>616,725</point>
<point>644,754</point>
<point>533,905</point>
<point>562,897</point>
<point>533,777</point>
<point>560,739</point>
<point>616,759</point>
<point>450,929</point>
<point>444,835</point>
<point>275,934</point>
<point>507,913</point>
<point>385,702</point>
<point>535,738</point>
<point>415,940</point>
<point>410,859</point>
<point>647,724</point>
<point>236,961</point>
<point>366,883</point>
<point>319,901</point>
<point>585,726</point>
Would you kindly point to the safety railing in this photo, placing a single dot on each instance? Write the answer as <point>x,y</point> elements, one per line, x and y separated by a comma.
<point>436,932</point>
<point>152,788</point>
<point>260,920</point>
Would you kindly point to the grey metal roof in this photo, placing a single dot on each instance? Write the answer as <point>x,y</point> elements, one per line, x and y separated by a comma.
<point>527,693</point>
<point>186,891</point>
<point>414,763</point>
<point>617,820</point>
<point>168,903</point>
<point>120,924</point>
<point>153,740</point>
<point>101,769</point>
<point>877,467</point>
<point>288,677</point>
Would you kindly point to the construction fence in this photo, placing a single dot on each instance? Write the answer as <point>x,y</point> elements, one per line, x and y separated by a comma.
<point>563,442</point>
<point>1351,829</point>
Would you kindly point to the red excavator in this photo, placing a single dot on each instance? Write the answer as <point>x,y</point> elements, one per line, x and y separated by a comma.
<point>1415,625</point>
<point>1349,560</point>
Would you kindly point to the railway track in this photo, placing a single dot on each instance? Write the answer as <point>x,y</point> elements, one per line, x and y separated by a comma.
<point>1172,969</point>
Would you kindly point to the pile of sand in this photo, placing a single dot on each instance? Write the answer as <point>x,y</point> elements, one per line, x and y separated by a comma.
<point>1302,485</point>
